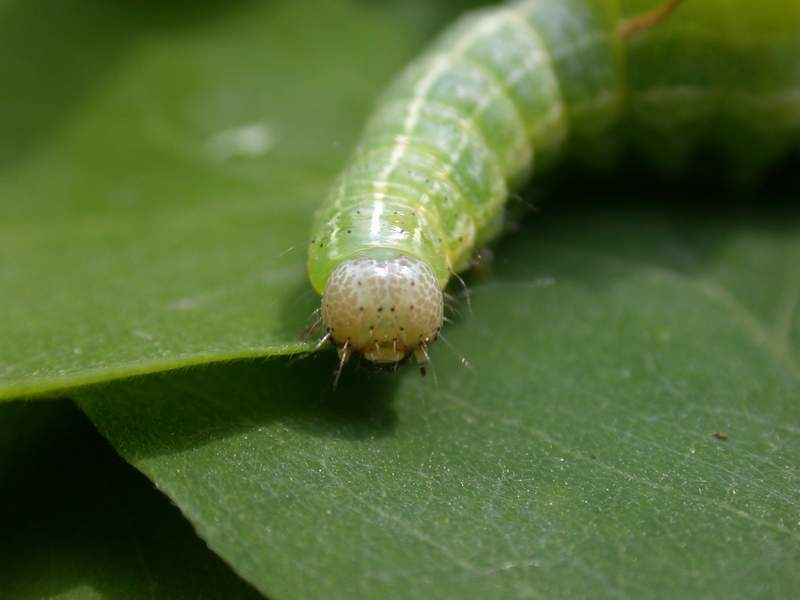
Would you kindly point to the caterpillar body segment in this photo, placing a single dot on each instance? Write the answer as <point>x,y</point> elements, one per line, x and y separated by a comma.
<point>500,95</point>
<point>462,125</point>
<point>717,74</point>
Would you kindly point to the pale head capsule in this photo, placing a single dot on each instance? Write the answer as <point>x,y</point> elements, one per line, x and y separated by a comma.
<point>383,309</point>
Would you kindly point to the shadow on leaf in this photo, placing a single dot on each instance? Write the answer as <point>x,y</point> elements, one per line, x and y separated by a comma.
<point>193,407</point>
<point>76,518</point>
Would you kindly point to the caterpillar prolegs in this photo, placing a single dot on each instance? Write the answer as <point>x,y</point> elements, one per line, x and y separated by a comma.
<point>505,92</point>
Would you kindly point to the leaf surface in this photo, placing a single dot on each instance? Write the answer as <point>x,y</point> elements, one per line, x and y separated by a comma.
<point>629,427</point>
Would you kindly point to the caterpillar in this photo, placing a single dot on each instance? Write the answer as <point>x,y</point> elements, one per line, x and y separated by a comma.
<point>510,90</point>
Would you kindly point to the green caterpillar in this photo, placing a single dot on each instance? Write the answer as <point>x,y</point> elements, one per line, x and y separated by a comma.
<point>507,91</point>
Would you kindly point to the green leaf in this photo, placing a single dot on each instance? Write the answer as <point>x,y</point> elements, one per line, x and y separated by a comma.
<point>157,183</point>
<point>78,522</point>
<point>629,427</point>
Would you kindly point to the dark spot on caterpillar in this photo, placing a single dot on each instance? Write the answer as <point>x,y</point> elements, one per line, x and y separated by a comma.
<point>460,238</point>
<point>413,284</point>
<point>411,306</point>
<point>361,308</point>
<point>380,309</point>
<point>320,244</point>
<point>349,231</point>
<point>359,283</point>
<point>392,309</point>
<point>402,329</point>
<point>358,212</point>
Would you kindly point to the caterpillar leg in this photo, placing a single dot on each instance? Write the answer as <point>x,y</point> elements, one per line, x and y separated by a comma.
<point>344,355</point>
<point>322,341</point>
<point>422,358</point>
<point>630,27</point>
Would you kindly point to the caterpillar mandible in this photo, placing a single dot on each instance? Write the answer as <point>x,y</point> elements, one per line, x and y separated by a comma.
<point>517,86</point>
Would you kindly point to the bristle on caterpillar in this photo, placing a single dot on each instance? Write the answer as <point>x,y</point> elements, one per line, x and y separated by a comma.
<point>382,309</point>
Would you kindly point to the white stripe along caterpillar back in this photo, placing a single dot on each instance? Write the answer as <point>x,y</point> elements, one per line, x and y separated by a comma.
<point>510,88</point>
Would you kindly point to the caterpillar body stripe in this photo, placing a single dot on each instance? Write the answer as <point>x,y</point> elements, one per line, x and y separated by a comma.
<point>505,92</point>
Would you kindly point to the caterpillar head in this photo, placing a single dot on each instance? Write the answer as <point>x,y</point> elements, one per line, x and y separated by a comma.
<point>383,309</point>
